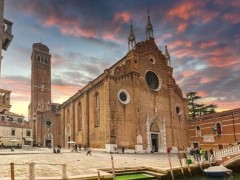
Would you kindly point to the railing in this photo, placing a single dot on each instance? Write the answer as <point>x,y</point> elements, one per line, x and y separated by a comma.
<point>228,151</point>
<point>31,169</point>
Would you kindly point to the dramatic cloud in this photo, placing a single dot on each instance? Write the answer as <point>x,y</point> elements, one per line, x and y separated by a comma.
<point>86,37</point>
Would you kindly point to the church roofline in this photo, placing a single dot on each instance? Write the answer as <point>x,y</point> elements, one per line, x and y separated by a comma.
<point>102,76</point>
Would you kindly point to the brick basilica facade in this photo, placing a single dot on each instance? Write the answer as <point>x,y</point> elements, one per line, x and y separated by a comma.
<point>135,103</point>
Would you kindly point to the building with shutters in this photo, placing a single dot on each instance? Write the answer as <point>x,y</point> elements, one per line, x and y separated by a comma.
<point>216,131</point>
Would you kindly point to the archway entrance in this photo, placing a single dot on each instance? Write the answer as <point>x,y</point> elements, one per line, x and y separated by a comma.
<point>48,140</point>
<point>154,131</point>
<point>154,140</point>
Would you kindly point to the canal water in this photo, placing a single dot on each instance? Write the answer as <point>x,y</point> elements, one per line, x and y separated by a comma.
<point>144,176</point>
<point>235,176</point>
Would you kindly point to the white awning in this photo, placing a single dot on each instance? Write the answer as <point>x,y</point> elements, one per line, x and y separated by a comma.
<point>28,139</point>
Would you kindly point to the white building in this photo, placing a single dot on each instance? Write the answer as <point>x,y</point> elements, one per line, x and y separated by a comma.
<point>14,130</point>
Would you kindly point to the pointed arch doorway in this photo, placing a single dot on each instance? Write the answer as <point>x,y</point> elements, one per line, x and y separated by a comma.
<point>48,140</point>
<point>155,133</point>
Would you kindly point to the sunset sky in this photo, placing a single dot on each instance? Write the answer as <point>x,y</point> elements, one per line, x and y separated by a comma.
<point>86,37</point>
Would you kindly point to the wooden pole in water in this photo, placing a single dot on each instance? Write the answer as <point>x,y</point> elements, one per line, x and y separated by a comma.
<point>209,159</point>
<point>12,171</point>
<point>189,169</point>
<point>179,157</point>
<point>113,170</point>
<point>170,164</point>
<point>31,171</point>
<point>64,171</point>
<point>199,164</point>
<point>98,173</point>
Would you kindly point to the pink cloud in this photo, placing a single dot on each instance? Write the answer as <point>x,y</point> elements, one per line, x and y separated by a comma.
<point>19,86</point>
<point>217,61</point>
<point>226,105</point>
<point>181,43</point>
<point>122,16</point>
<point>188,73</point>
<point>184,11</point>
<point>182,27</point>
<point>208,44</point>
<point>207,79</point>
<point>202,93</point>
<point>69,26</point>
<point>61,93</point>
<point>72,27</point>
<point>232,17</point>
<point>222,57</point>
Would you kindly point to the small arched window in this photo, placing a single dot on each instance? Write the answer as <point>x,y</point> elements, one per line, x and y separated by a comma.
<point>198,130</point>
<point>218,129</point>
<point>38,58</point>
<point>79,116</point>
<point>41,59</point>
<point>46,61</point>
<point>97,110</point>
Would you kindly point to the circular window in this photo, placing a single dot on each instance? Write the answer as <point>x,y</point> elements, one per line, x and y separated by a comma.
<point>152,60</point>
<point>49,123</point>
<point>152,80</point>
<point>178,110</point>
<point>123,96</point>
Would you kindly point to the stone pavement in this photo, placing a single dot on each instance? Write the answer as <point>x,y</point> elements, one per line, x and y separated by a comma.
<point>78,164</point>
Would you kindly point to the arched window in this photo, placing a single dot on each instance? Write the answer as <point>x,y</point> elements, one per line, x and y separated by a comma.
<point>79,109</point>
<point>218,129</point>
<point>46,61</point>
<point>198,130</point>
<point>41,59</point>
<point>38,58</point>
<point>97,110</point>
<point>154,127</point>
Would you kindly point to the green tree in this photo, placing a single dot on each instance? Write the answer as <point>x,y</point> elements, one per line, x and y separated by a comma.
<point>211,108</point>
<point>196,109</point>
<point>201,109</point>
<point>192,97</point>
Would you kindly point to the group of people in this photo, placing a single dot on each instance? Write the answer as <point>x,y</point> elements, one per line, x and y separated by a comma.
<point>116,149</point>
<point>200,155</point>
<point>57,150</point>
<point>78,147</point>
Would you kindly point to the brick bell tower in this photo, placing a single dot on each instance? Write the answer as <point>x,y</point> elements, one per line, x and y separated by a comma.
<point>40,85</point>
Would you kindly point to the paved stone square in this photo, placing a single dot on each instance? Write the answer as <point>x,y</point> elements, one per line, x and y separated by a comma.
<point>77,162</point>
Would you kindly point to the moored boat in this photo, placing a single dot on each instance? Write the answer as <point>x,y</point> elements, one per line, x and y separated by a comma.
<point>217,171</point>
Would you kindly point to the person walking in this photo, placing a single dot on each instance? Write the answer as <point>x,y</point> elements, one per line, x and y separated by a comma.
<point>123,149</point>
<point>88,151</point>
<point>197,154</point>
